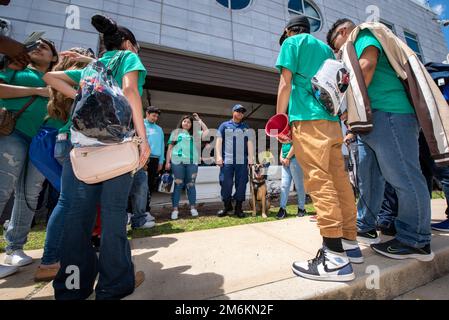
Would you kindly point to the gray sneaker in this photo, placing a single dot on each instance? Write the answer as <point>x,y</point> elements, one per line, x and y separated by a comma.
<point>147,225</point>
<point>6,271</point>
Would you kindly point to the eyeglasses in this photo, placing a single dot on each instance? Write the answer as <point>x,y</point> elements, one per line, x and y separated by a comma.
<point>241,111</point>
<point>337,33</point>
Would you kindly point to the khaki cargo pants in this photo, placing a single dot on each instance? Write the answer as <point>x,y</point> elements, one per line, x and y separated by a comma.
<point>318,148</point>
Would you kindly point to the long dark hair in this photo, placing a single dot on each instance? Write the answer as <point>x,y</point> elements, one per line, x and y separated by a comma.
<point>112,35</point>
<point>191,121</point>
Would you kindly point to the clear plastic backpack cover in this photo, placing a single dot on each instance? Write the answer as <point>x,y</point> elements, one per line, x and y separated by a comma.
<point>330,85</point>
<point>101,113</point>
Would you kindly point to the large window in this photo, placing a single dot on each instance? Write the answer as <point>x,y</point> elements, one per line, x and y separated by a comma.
<point>306,8</point>
<point>235,4</point>
<point>413,43</point>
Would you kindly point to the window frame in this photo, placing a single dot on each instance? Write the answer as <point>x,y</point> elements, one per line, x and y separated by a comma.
<point>229,6</point>
<point>314,6</point>
<point>409,35</point>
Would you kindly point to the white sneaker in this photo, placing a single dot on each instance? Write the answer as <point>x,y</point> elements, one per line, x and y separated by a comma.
<point>194,213</point>
<point>327,266</point>
<point>129,218</point>
<point>148,225</point>
<point>174,215</point>
<point>149,217</point>
<point>18,259</point>
<point>6,271</point>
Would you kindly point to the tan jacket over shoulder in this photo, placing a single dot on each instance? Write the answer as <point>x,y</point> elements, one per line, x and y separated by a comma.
<point>430,106</point>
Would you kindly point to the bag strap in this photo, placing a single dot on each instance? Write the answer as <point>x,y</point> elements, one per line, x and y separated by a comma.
<point>25,107</point>
<point>116,61</point>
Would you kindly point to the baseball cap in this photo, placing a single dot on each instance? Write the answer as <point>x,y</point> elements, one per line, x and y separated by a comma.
<point>238,107</point>
<point>296,21</point>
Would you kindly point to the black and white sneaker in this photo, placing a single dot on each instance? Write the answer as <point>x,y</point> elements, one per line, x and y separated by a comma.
<point>396,250</point>
<point>327,266</point>
<point>368,238</point>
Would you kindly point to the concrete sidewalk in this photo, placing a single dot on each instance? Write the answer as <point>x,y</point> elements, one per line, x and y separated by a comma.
<point>252,262</point>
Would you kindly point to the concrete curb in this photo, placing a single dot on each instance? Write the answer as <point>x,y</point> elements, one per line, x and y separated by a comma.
<point>396,278</point>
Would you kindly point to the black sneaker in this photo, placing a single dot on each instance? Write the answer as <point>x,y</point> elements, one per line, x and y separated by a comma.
<point>227,209</point>
<point>301,213</point>
<point>389,230</point>
<point>238,212</point>
<point>368,238</point>
<point>282,214</point>
<point>396,250</point>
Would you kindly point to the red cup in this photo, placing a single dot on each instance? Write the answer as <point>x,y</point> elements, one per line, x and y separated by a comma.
<point>279,127</point>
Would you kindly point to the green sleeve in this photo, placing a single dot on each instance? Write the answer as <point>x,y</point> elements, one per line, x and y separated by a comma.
<point>170,140</point>
<point>75,75</point>
<point>6,75</point>
<point>364,40</point>
<point>133,63</point>
<point>288,57</point>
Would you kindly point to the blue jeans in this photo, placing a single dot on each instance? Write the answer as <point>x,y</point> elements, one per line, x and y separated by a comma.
<point>293,172</point>
<point>78,202</point>
<point>185,176</point>
<point>18,175</point>
<point>430,170</point>
<point>389,210</point>
<point>55,226</point>
<point>391,153</point>
<point>139,198</point>
<point>234,175</point>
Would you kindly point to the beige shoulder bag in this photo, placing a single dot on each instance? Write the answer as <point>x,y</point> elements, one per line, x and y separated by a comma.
<point>97,164</point>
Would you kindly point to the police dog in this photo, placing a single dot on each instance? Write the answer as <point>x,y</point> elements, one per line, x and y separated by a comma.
<point>258,178</point>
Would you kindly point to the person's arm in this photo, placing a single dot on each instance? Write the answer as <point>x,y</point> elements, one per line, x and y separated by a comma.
<point>10,91</point>
<point>368,63</point>
<point>289,157</point>
<point>14,50</point>
<point>162,157</point>
<point>218,152</point>
<point>169,153</point>
<point>281,158</point>
<point>131,92</point>
<point>204,128</point>
<point>284,91</point>
<point>291,153</point>
<point>61,82</point>
<point>250,152</point>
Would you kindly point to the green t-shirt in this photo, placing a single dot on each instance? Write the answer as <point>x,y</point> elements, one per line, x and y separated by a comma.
<point>304,55</point>
<point>386,91</point>
<point>54,123</point>
<point>286,150</point>
<point>184,150</point>
<point>31,120</point>
<point>129,63</point>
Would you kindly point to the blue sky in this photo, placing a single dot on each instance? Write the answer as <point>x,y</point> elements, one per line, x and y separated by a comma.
<point>442,6</point>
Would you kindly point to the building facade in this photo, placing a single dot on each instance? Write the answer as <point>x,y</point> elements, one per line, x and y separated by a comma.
<point>206,55</point>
